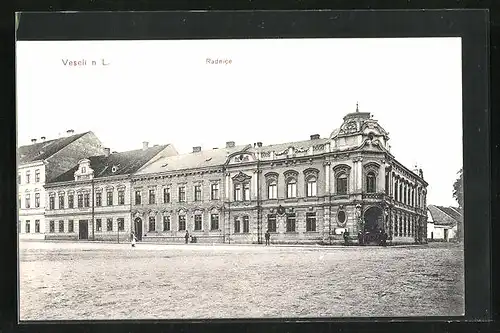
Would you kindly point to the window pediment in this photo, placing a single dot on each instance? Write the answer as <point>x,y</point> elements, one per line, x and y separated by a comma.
<point>241,177</point>
<point>341,168</point>
<point>290,174</point>
<point>311,172</point>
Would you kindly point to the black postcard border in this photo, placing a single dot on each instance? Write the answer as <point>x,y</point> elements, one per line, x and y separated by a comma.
<point>471,25</point>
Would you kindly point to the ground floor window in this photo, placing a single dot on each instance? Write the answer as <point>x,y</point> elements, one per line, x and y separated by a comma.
<point>400,226</point>
<point>71,226</point>
<point>236,225</point>
<point>152,224</point>
<point>52,226</point>
<point>98,224</point>
<point>310,221</point>
<point>246,224</point>
<point>271,222</point>
<point>404,227</point>
<point>109,225</point>
<point>61,226</point>
<point>27,226</point>
<point>290,222</point>
<point>37,226</point>
<point>182,223</point>
<point>214,222</point>
<point>166,223</point>
<point>197,222</point>
<point>121,224</point>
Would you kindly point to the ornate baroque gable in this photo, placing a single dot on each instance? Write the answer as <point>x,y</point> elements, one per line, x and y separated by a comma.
<point>241,177</point>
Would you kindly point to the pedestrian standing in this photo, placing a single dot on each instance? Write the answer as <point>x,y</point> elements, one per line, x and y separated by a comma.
<point>133,240</point>
<point>186,236</point>
<point>268,236</point>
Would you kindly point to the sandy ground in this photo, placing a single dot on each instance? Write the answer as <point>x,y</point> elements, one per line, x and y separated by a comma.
<point>65,281</point>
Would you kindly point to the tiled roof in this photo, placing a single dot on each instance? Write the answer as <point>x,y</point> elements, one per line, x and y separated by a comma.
<point>306,144</point>
<point>125,162</point>
<point>202,159</point>
<point>453,212</point>
<point>440,215</point>
<point>43,150</point>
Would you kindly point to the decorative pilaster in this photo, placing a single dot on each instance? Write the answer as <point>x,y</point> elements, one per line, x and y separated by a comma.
<point>327,177</point>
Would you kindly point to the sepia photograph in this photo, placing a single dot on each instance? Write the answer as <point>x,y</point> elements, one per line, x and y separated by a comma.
<point>240,178</point>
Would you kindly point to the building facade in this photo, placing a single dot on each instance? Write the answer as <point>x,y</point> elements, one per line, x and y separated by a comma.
<point>40,162</point>
<point>93,199</point>
<point>443,223</point>
<point>307,191</point>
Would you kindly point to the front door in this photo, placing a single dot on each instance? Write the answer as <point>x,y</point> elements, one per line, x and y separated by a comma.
<point>83,229</point>
<point>138,228</point>
<point>374,225</point>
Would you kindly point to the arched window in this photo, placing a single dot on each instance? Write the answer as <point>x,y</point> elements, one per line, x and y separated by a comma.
<point>311,190</point>
<point>400,199</point>
<point>396,187</point>
<point>272,189</point>
<point>370,183</point>
<point>291,188</point>
<point>341,183</point>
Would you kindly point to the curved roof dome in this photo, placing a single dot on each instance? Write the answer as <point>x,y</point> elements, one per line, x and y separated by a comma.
<point>335,133</point>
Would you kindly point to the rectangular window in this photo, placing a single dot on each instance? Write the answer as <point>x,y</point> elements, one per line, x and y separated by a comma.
<point>28,226</point>
<point>166,223</point>
<point>215,191</point>
<point>71,226</point>
<point>197,222</point>
<point>98,199</point>
<point>27,203</point>
<point>290,222</point>
<point>246,224</point>
<point>138,197</point>
<point>52,203</point>
<point>80,200</point>
<point>152,223</point>
<point>182,194</point>
<point>272,190</point>
<point>19,178</point>
<point>37,200</point>
<point>109,225</point>
<point>246,191</point>
<point>310,221</point>
<point>214,222</point>
<point>37,176</point>
<point>166,195</point>
<point>236,225</point>
<point>121,197</point>
<point>98,225</point>
<point>121,224</point>
<point>86,199</point>
<point>61,226</point>
<point>71,201</point>
<point>291,187</point>
<point>152,197</point>
<point>52,227</point>
<point>37,226</point>
<point>311,187</point>
<point>237,192</point>
<point>271,222</point>
<point>342,184</point>
<point>182,222</point>
<point>197,193</point>
<point>109,198</point>
<point>61,201</point>
<point>27,177</point>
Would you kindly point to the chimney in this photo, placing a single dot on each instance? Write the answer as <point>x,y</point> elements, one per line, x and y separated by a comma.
<point>43,139</point>
<point>106,152</point>
<point>70,132</point>
<point>33,140</point>
<point>196,149</point>
<point>230,144</point>
<point>315,137</point>
<point>145,145</point>
<point>259,144</point>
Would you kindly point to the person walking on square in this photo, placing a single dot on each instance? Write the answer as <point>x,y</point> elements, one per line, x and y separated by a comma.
<point>133,240</point>
<point>268,236</point>
<point>186,236</point>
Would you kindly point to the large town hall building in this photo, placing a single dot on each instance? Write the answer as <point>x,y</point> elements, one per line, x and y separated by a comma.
<point>310,191</point>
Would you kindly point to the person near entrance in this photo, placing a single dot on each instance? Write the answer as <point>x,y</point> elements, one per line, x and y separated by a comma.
<point>133,240</point>
<point>360,237</point>
<point>268,237</point>
<point>346,237</point>
<point>186,236</point>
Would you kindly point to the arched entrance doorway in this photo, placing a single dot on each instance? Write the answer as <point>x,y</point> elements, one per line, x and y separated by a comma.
<point>374,225</point>
<point>138,228</point>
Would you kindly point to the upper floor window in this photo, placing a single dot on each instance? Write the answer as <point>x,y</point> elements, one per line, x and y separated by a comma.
<point>71,199</point>
<point>152,197</point>
<point>311,187</point>
<point>246,191</point>
<point>182,193</point>
<point>86,200</point>
<point>166,195</point>
<point>80,200</point>
<point>215,191</point>
<point>272,189</point>
<point>370,182</point>
<point>19,178</point>
<point>237,192</point>
<point>137,197</point>
<point>341,183</point>
<point>61,201</point>
<point>291,188</point>
<point>98,199</point>
<point>27,203</point>
<point>121,197</point>
<point>52,201</point>
<point>197,193</point>
<point>37,176</point>
<point>37,200</point>
<point>27,177</point>
<point>109,198</point>
<point>387,183</point>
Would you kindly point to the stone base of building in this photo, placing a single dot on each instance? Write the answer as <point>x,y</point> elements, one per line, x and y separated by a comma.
<point>35,236</point>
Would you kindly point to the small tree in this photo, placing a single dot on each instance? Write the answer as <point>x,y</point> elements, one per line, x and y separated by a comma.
<point>458,195</point>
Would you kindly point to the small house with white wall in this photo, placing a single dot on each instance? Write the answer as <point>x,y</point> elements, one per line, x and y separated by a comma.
<point>443,223</point>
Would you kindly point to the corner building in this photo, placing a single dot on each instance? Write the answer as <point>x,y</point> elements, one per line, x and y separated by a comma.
<point>309,191</point>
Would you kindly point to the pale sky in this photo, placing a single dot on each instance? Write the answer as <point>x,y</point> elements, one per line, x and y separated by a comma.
<point>274,91</point>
